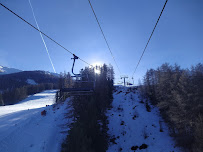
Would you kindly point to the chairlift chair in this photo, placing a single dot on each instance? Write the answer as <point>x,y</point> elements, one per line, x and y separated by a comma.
<point>78,89</point>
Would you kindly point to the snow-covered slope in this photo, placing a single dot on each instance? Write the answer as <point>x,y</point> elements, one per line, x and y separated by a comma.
<point>6,70</point>
<point>24,129</point>
<point>133,128</point>
<point>30,81</point>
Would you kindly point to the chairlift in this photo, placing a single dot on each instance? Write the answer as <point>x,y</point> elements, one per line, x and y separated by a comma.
<point>78,90</point>
<point>129,84</point>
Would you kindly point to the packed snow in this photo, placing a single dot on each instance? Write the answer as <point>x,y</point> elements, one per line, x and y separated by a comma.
<point>24,129</point>
<point>133,128</point>
<point>30,81</point>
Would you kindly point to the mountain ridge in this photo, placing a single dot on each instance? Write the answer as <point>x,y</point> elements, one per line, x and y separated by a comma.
<point>6,70</point>
<point>19,79</point>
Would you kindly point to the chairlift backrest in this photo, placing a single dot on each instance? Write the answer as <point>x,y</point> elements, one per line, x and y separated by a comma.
<point>82,87</point>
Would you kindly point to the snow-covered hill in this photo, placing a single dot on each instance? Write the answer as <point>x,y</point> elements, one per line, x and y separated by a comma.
<point>133,128</point>
<point>24,129</point>
<point>6,70</point>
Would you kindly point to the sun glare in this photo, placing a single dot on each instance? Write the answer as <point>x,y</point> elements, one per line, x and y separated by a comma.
<point>97,64</point>
<point>97,71</point>
<point>96,67</point>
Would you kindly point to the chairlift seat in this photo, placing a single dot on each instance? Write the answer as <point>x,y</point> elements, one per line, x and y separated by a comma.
<point>77,90</point>
<point>80,90</point>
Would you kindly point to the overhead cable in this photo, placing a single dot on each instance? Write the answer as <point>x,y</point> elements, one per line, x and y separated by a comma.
<point>104,36</point>
<point>42,37</point>
<point>149,38</point>
<point>43,33</point>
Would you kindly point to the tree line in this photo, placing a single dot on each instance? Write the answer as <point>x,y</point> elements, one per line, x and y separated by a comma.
<point>88,132</point>
<point>15,87</point>
<point>17,80</point>
<point>15,95</point>
<point>178,93</point>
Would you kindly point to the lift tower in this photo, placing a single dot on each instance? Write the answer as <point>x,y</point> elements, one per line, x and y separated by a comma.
<point>124,77</point>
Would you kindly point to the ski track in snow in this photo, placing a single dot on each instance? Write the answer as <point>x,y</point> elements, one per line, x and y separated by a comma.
<point>132,132</point>
<point>23,129</point>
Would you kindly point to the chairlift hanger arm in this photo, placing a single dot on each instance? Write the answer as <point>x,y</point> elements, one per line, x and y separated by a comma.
<point>74,58</point>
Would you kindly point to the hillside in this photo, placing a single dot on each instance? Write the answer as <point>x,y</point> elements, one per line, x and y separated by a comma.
<point>133,127</point>
<point>23,128</point>
<point>20,79</point>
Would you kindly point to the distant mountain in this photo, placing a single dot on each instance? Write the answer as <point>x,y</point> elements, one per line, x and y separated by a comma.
<point>6,70</point>
<point>15,80</point>
<point>51,73</point>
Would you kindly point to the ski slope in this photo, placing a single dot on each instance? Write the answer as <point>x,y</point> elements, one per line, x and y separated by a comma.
<point>24,129</point>
<point>133,128</point>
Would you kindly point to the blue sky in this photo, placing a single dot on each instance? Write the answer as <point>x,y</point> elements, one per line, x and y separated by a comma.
<point>126,24</point>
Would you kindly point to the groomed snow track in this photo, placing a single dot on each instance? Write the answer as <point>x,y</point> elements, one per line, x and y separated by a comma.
<point>24,129</point>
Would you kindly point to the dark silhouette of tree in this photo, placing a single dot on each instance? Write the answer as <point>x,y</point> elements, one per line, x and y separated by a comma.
<point>179,95</point>
<point>89,131</point>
